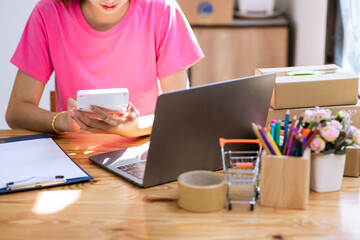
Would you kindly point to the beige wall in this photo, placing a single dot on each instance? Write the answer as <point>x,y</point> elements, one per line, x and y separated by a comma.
<point>309,19</point>
<point>13,17</point>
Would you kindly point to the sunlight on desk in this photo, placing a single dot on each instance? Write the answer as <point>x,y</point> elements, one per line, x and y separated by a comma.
<point>54,201</point>
<point>88,152</point>
<point>349,211</point>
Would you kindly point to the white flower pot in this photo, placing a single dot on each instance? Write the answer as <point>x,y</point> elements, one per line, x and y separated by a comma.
<point>326,172</point>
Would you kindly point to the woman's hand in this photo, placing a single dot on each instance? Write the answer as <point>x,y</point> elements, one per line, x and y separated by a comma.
<point>130,124</point>
<point>101,120</point>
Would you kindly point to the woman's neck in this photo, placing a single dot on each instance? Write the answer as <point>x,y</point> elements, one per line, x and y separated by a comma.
<point>100,21</point>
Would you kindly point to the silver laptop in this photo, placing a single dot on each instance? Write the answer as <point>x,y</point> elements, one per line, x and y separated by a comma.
<point>187,127</point>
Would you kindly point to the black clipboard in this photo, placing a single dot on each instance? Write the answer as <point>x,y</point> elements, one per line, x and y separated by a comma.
<point>14,176</point>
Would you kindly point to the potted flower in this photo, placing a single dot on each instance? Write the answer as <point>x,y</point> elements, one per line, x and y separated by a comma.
<point>331,136</point>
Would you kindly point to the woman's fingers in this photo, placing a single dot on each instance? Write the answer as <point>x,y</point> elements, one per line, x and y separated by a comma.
<point>103,115</point>
<point>100,120</point>
<point>92,124</point>
<point>132,111</point>
<point>71,104</point>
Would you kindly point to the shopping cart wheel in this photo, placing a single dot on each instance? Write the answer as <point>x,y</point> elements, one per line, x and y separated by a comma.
<point>252,207</point>
<point>229,206</point>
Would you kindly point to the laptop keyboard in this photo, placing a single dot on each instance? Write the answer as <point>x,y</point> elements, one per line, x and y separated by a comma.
<point>135,169</point>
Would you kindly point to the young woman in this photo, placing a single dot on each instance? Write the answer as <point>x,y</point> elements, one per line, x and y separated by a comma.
<point>143,45</point>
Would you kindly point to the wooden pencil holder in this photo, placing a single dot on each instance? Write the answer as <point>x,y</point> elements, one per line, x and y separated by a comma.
<point>285,181</point>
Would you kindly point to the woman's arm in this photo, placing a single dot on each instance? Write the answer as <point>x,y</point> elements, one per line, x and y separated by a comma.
<point>131,125</point>
<point>175,81</point>
<point>23,109</point>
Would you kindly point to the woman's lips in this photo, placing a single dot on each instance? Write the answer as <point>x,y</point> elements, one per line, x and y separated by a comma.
<point>108,8</point>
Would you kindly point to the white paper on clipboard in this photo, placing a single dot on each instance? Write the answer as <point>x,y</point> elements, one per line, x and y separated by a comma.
<point>39,158</point>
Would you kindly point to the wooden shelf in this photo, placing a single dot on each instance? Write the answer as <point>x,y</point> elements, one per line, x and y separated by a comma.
<point>236,50</point>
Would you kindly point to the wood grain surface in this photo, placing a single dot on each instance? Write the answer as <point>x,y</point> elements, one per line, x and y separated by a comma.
<point>236,52</point>
<point>110,208</point>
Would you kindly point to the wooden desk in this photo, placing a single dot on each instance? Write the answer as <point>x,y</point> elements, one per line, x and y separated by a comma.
<point>111,208</point>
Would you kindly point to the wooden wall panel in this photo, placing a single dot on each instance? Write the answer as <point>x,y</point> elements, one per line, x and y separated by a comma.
<point>236,52</point>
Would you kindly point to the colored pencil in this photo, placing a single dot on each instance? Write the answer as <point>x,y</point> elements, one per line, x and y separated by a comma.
<point>305,132</point>
<point>290,133</point>
<point>313,134</point>
<point>271,150</point>
<point>272,142</point>
<point>291,140</point>
<point>299,122</point>
<point>302,146</point>
<point>258,135</point>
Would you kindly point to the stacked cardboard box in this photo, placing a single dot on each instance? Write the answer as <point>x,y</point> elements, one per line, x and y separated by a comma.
<point>326,86</point>
<point>279,114</point>
<point>310,86</point>
<point>210,12</point>
<point>352,162</point>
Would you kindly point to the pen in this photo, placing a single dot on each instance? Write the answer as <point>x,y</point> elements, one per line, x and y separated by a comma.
<point>286,126</point>
<point>277,133</point>
<point>34,182</point>
<point>272,129</point>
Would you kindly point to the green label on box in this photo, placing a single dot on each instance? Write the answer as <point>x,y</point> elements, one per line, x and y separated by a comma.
<point>301,73</point>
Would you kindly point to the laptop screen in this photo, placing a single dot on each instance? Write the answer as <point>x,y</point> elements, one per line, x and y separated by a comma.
<point>188,124</point>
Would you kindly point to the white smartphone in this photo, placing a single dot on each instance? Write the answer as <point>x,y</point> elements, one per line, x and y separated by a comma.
<point>113,99</point>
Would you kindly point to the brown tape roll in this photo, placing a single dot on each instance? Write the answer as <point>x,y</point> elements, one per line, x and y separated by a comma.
<point>201,191</point>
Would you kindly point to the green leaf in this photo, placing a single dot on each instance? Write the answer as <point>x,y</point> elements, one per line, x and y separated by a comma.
<point>340,140</point>
<point>328,151</point>
<point>328,146</point>
<point>340,152</point>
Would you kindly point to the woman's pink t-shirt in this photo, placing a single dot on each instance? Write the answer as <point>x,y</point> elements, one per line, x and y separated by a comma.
<point>152,41</point>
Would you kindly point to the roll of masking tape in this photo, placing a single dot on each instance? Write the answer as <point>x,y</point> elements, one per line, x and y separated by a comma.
<point>201,191</point>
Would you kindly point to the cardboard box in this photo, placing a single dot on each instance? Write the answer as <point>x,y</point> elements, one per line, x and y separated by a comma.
<point>210,12</point>
<point>324,85</point>
<point>279,114</point>
<point>352,162</point>
<point>285,181</point>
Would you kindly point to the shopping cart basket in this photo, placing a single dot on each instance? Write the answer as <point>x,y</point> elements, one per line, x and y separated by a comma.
<point>241,169</point>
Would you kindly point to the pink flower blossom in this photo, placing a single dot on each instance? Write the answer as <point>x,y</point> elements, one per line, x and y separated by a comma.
<point>336,124</point>
<point>343,114</point>
<point>317,144</point>
<point>308,115</point>
<point>329,133</point>
<point>356,137</point>
<point>323,114</point>
<point>350,130</point>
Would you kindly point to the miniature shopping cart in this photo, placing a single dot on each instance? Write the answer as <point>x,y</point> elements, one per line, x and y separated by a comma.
<point>241,170</point>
